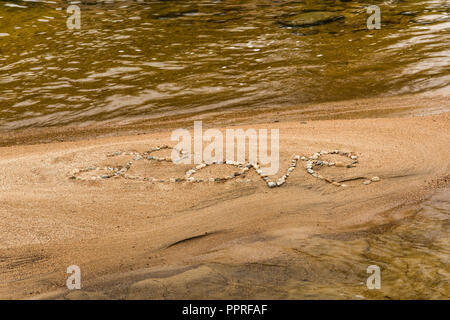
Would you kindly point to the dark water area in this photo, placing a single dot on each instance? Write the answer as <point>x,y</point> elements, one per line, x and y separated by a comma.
<point>137,60</point>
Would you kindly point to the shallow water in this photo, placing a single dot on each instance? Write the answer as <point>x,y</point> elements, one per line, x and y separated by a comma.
<point>412,253</point>
<point>137,60</point>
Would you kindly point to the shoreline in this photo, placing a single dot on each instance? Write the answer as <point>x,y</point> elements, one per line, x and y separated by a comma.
<point>166,239</point>
<point>380,107</point>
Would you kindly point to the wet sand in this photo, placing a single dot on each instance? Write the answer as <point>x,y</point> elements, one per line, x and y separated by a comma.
<point>238,239</point>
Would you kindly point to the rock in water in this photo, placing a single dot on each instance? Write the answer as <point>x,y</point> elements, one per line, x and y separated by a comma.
<point>310,19</point>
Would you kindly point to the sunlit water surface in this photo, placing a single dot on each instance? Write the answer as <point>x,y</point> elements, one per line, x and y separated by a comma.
<point>136,60</point>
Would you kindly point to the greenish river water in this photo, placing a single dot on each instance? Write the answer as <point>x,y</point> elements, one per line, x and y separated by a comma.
<point>137,60</point>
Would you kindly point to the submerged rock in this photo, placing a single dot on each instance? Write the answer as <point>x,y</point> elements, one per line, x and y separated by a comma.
<point>310,19</point>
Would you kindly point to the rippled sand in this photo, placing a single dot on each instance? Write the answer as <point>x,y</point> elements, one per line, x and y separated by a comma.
<point>307,239</point>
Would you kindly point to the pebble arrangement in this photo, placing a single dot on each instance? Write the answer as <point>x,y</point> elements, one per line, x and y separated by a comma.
<point>315,162</point>
<point>312,164</point>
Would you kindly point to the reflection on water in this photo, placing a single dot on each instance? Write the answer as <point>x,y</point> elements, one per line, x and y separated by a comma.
<point>138,60</point>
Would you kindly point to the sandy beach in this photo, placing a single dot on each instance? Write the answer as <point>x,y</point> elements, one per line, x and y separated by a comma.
<point>236,239</point>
